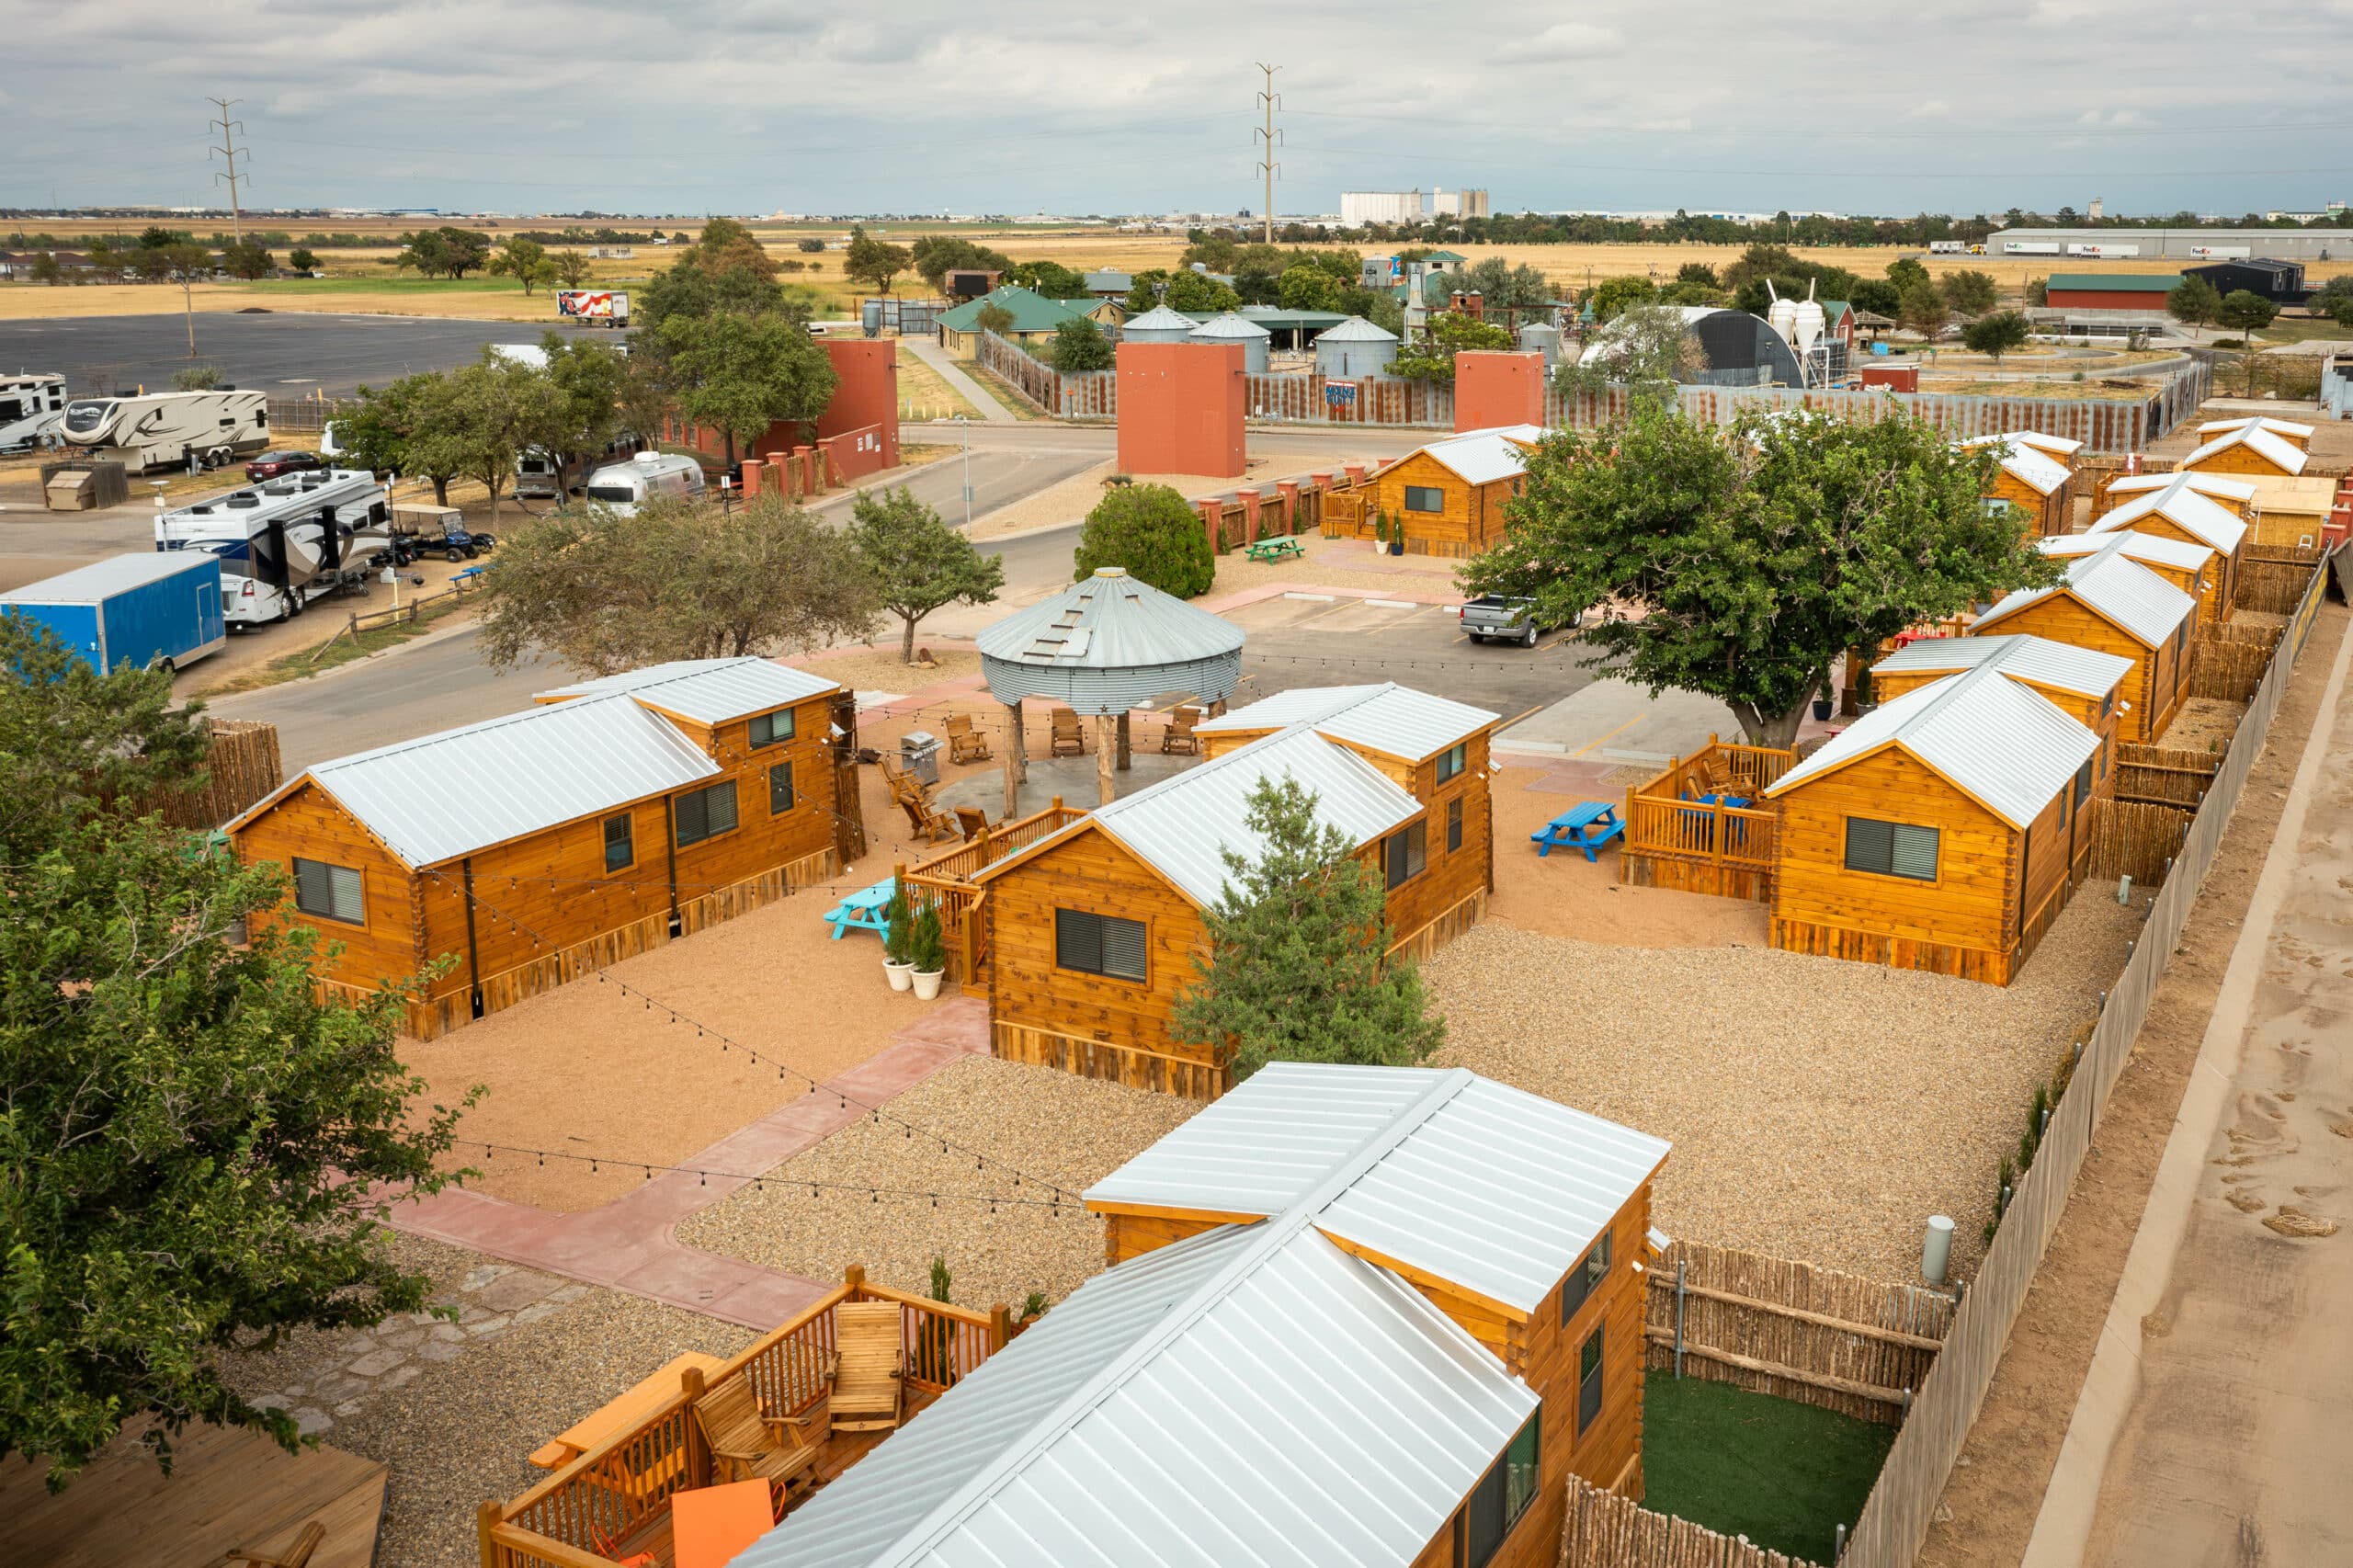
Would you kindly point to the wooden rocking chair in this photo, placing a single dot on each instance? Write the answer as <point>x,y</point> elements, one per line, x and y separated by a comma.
<point>966,744</point>
<point>297,1554</point>
<point>1069,736</point>
<point>867,1387</point>
<point>927,820</point>
<point>971,821</point>
<point>748,1444</point>
<point>1179,737</point>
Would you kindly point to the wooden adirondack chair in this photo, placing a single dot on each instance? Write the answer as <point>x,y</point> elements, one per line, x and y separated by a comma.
<point>867,1390</point>
<point>966,744</point>
<point>1179,737</point>
<point>1070,736</point>
<point>971,821</point>
<point>296,1555</point>
<point>748,1444</point>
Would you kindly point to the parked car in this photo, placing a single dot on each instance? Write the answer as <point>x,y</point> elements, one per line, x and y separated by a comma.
<point>276,465</point>
<point>1496,617</point>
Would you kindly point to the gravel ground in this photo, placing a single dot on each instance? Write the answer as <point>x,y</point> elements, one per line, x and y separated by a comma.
<point>1340,563</point>
<point>1819,1109</point>
<point>1073,498</point>
<point>1065,1128</point>
<point>459,1432</point>
<point>2203,723</point>
<point>882,670</point>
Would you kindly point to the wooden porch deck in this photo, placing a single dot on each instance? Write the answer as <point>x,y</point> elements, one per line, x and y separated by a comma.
<point>1676,838</point>
<point>227,1489</point>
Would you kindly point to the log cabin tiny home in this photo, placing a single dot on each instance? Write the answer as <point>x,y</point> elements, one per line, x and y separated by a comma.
<point>1941,831</point>
<point>1449,497</point>
<point>2194,569</point>
<point>2034,483</point>
<point>2247,449</point>
<point>614,815</point>
<point>2114,604</point>
<point>2235,493</point>
<point>2295,435</point>
<point>2082,682</point>
<point>2177,511</point>
<point>1092,931</point>
<point>1358,1317</point>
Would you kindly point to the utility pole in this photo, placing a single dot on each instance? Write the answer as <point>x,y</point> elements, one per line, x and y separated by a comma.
<point>1269,101</point>
<point>228,149</point>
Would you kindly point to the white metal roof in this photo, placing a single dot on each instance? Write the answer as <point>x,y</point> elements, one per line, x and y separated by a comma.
<point>2025,462</point>
<point>1482,457</point>
<point>1108,620</point>
<point>2114,585</point>
<point>2150,549</point>
<point>2087,671</point>
<point>2255,438</point>
<point>2214,524</point>
<point>708,692</point>
<point>2287,428</point>
<point>1182,825</point>
<point>441,796</point>
<point>1494,1190</point>
<point>1230,326</point>
<point>2009,748</point>
<point>115,575</point>
<point>1247,1396</point>
<point>2222,484</point>
<point>1387,718</point>
<point>1356,329</point>
<point>2057,445</point>
<point>1160,318</point>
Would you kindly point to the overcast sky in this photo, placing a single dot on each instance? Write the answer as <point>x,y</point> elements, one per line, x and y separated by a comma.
<point>1014,106</point>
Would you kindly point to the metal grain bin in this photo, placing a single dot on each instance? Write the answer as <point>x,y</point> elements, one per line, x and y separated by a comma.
<point>1233,328</point>
<point>1353,349</point>
<point>1159,324</point>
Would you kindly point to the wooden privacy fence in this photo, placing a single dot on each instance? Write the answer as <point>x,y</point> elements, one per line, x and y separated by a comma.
<point>2135,839</point>
<point>1856,1346</point>
<point>2163,776</point>
<point>241,766</point>
<point>1602,1529</point>
<point>2272,577</point>
<point>2226,669</point>
<point>1895,1519</point>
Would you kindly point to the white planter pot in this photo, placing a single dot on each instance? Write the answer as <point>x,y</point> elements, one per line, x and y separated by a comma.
<point>901,974</point>
<point>927,982</point>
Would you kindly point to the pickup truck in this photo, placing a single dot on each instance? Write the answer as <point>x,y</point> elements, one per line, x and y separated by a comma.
<point>1498,619</point>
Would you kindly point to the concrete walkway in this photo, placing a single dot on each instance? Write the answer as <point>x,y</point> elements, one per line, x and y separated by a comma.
<point>971,390</point>
<point>2211,1426</point>
<point>631,1245</point>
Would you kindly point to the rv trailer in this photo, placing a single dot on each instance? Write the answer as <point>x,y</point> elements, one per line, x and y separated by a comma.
<point>169,429</point>
<point>30,406</point>
<point>287,542</point>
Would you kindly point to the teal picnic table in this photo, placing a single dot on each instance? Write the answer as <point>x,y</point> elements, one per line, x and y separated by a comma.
<point>1283,548</point>
<point>1587,825</point>
<point>861,911</point>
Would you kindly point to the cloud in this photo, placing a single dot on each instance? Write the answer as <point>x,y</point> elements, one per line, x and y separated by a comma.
<point>1568,41</point>
<point>1930,109</point>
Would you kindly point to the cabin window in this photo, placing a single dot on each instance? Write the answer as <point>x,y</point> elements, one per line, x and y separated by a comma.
<point>1407,851</point>
<point>1996,508</point>
<point>1502,1495</point>
<point>1584,1278</point>
<point>1454,824</point>
<point>1424,498</point>
<point>780,788</point>
<point>1892,849</point>
<point>706,814</point>
<point>1098,944</point>
<point>2106,704</point>
<point>2084,782</point>
<point>1451,761</point>
<point>332,891</point>
<point>769,729</point>
<point>1589,1380</point>
<point>621,844</point>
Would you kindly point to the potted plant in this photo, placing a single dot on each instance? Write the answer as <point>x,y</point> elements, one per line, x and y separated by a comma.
<point>1822,710</point>
<point>1381,531</point>
<point>928,950</point>
<point>898,939</point>
<point>1864,698</point>
<point>1397,536</point>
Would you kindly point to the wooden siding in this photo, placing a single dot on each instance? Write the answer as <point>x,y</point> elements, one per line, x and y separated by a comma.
<point>2241,459</point>
<point>1964,923</point>
<point>2086,711</point>
<point>2158,682</point>
<point>311,824</point>
<point>1127,1235</point>
<point>2038,516</point>
<point>2224,569</point>
<point>1473,515</point>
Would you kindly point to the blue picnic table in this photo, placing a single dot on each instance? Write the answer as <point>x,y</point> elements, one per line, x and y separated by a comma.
<point>1587,825</point>
<point>860,911</point>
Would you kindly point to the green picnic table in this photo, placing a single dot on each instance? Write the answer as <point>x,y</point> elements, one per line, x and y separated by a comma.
<point>1275,549</point>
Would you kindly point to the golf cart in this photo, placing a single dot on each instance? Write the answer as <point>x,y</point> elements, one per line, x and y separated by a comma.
<point>421,529</point>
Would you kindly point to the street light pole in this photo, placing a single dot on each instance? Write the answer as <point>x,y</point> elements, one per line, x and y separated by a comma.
<point>964,433</point>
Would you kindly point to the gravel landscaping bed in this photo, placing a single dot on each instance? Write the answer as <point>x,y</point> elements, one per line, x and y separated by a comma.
<point>2203,723</point>
<point>1056,1127</point>
<point>1820,1109</point>
<point>457,1430</point>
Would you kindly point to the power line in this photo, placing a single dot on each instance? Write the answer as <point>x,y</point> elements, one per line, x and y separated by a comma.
<point>759,1181</point>
<point>1270,100</point>
<point>228,149</point>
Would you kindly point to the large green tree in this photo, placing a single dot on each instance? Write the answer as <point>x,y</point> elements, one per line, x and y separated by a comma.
<point>1151,533</point>
<point>590,379</point>
<point>1430,355</point>
<point>1294,970</point>
<point>1739,563</point>
<point>1080,346</point>
<point>873,261</point>
<point>1614,296</point>
<point>919,562</point>
<point>739,374</point>
<point>498,407</point>
<point>2194,302</point>
<point>524,260</point>
<point>1649,346</point>
<point>1997,334</point>
<point>933,257</point>
<point>676,581</point>
<point>1971,293</point>
<point>1196,293</point>
<point>196,1150</point>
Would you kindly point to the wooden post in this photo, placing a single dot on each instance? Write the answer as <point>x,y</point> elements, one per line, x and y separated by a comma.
<point>1015,760</point>
<point>1107,756</point>
<point>1000,1327</point>
<point>1127,745</point>
<point>488,1516</point>
<point>854,1277</point>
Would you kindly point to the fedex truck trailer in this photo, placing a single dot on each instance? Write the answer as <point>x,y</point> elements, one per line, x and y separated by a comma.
<point>169,429</point>
<point>285,544</point>
<point>601,307</point>
<point>31,407</point>
<point>130,610</point>
<point>2030,247</point>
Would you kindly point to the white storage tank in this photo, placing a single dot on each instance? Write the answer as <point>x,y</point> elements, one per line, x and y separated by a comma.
<point>1232,328</point>
<point>1353,349</point>
<point>1538,337</point>
<point>1159,324</point>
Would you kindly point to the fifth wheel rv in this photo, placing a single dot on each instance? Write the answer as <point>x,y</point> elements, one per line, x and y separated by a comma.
<point>31,407</point>
<point>287,542</point>
<point>169,429</point>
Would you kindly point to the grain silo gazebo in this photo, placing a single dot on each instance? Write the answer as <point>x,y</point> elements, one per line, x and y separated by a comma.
<point>1102,646</point>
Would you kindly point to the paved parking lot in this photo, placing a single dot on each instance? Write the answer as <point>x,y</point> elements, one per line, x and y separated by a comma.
<point>1348,642</point>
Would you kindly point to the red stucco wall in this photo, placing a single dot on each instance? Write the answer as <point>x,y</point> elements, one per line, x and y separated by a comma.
<point>1495,387</point>
<point>2105,299</point>
<point>1180,408</point>
<point>868,395</point>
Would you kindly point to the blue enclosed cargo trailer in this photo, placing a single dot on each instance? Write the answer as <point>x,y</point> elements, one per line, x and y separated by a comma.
<point>130,609</point>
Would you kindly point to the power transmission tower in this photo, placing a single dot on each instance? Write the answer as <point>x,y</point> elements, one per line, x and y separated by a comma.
<point>228,149</point>
<point>1270,100</point>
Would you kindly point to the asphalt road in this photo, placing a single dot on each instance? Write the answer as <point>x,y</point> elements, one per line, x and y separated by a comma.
<point>1294,642</point>
<point>284,353</point>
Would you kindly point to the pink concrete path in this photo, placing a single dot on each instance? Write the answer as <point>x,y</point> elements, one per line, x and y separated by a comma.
<point>632,1243</point>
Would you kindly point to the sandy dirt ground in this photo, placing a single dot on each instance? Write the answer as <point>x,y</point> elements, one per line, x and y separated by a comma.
<point>1070,501</point>
<point>2204,724</point>
<point>1989,1506</point>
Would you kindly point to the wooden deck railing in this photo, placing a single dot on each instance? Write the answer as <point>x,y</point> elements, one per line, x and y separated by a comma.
<point>578,1514</point>
<point>1675,838</point>
<point>945,882</point>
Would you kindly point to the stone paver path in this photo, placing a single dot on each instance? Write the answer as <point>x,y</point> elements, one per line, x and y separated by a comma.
<point>630,1244</point>
<point>971,390</point>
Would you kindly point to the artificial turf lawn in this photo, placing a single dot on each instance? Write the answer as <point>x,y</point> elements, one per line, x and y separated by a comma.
<point>1781,1473</point>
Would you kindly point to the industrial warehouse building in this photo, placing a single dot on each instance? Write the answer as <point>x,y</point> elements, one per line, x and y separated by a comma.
<point>2175,245</point>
